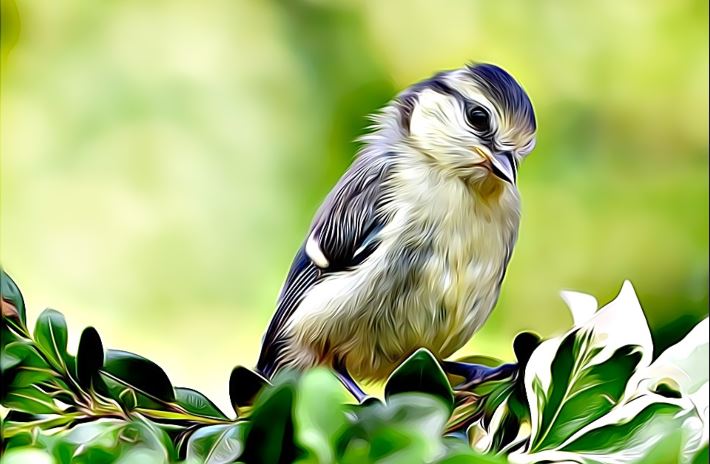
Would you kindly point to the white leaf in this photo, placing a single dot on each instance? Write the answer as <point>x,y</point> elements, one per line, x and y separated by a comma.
<point>581,305</point>
<point>538,369</point>
<point>685,363</point>
<point>622,322</point>
<point>683,366</point>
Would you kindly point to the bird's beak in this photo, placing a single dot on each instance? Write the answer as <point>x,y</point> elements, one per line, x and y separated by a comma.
<point>503,166</point>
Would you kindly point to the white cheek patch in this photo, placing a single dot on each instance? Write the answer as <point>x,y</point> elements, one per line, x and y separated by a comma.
<point>314,252</point>
<point>432,115</point>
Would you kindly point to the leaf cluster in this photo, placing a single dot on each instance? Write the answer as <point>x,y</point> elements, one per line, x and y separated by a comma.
<point>590,395</point>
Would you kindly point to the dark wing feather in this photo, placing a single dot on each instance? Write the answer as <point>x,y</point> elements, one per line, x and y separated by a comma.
<point>301,277</point>
<point>345,229</point>
<point>351,216</point>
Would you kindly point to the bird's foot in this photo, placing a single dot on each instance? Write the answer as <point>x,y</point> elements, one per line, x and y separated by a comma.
<point>476,374</point>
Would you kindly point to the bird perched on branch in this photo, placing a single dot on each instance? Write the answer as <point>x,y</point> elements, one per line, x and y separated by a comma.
<point>410,247</point>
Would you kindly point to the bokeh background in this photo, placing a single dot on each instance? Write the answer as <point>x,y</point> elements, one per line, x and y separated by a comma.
<point>161,161</point>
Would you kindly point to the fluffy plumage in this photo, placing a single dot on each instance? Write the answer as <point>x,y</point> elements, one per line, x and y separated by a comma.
<point>410,247</point>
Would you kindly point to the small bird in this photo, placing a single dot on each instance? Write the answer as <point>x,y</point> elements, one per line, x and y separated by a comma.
<point>410,248</point>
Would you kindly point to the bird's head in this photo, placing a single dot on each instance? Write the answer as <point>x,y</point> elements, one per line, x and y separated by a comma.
<point>476,122</point>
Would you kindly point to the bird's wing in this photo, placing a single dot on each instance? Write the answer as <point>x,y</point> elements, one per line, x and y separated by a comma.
<point>342,235</point>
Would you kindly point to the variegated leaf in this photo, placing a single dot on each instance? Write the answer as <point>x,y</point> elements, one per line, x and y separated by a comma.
<point>575,379</point>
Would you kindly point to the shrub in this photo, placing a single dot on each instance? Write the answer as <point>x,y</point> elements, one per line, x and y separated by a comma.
<point>592,395</point>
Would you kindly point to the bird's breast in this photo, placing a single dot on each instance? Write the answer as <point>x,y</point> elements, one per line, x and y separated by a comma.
<point>453,250</point>
<point>431,282</point>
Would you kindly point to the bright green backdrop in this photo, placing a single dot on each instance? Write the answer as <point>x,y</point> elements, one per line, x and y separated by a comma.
<point>162,160</point>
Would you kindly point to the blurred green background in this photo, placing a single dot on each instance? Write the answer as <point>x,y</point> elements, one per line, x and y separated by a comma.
<point>161,161</point>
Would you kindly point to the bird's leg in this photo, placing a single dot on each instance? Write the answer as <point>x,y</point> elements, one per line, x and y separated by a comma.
<point>348,382</point>
<point>475,374</point>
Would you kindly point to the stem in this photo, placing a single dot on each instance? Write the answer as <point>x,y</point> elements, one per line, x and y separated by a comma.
<point>44,424</point>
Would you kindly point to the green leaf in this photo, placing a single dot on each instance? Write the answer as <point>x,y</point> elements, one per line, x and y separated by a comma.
<point>507,427</point>
<point>24,376</point>
<point>55,445</point>
<point>406,429</point>
<point>138,373</point>
<point>581,391</point>
<point>22,366</point>
<point>244,386</point>
<point>30,399</point>
<point>668,450</point>
<point>196,403</point>
<point>128,396</point>
<point>524,345</point>
<point>11,298</point>
<point>420,373</point>
<point>319,414</point>
<point>471,457</point>
<point>701,457</point>
<point>216,444</point>
<point>25,455</point>
<point>107,440</point>
<point>8,361</point>
<point>621,436</point>
<point>51,337</point>
<point>89,356</point>
<point>270,435</point>
<point>17,359</point>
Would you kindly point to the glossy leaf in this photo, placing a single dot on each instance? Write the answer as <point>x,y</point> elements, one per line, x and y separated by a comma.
<point>469,456</point>
<point>702,456</point>
<point>216,444</point>
<point>139,373</point>
<point>9,360</point>
<point>23,370</point>
<point>506,425</point>
<point>27,455</point>
<point>524,345</point>
<point>107,440</point>
<point>89,357</point>
<point>22,366</point>
<point>580,391</point>
<point>128,396</point>
<point>12,300</point>
<point>581,305</point>
<point>244,386</point>
<point>420,373</point>
<point>406,429</point>
<point>619,435</point>
<point>319,414</point>
<point>626,435</point>
<point>51,337</point>
<point>196,403</point>
<point>58,446</point>
<point>270,434</point>
<point>667,450</point>
<point>30,399</point>
<point>682,367</point>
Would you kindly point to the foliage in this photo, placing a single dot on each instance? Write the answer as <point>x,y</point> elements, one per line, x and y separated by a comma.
<point>593,394</point>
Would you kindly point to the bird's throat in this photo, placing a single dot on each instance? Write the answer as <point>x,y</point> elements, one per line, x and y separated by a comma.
<point>488,189</point>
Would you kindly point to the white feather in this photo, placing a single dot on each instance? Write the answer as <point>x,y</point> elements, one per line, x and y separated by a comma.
<point>315,253</point>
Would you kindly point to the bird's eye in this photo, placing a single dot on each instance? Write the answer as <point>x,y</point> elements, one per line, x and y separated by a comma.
<point>478,118</point>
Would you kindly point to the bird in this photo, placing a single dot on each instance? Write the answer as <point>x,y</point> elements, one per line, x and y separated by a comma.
<point>410,247</point>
